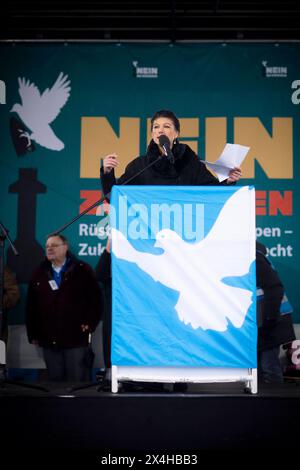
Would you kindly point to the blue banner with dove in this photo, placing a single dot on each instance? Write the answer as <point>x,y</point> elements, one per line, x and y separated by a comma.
<point>184,288</point>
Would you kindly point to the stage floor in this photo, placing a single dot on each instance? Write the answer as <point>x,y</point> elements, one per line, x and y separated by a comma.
<point>290,388</point>
<point>208,417</point>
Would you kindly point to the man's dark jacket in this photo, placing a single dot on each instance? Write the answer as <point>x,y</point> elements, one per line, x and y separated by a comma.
<point>276,329</point>
<point>54,317</point>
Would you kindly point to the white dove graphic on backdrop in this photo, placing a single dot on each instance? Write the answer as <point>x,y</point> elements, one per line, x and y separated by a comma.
<point>196,270</point>
<point>38,111</point>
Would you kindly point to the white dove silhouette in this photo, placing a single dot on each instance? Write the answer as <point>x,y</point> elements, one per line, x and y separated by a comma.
<point>196,270</point>
<point>38,111</point>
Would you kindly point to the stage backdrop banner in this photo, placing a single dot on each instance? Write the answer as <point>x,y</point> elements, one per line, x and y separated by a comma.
<point>63,106</point>
<point>184,290</point>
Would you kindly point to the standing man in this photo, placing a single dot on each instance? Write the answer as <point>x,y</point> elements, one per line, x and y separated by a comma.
<point>64,305</point>
<point>275,323</point>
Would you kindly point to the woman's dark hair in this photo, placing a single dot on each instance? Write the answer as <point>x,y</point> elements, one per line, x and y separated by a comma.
<point>167,114</point>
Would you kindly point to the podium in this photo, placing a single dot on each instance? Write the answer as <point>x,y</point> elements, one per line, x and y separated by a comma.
<point>184,285</point>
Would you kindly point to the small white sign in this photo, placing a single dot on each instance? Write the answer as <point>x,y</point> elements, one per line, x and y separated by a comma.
<point>53,284</point>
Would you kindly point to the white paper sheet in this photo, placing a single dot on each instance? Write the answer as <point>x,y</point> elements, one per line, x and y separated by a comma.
<point>232,156</point>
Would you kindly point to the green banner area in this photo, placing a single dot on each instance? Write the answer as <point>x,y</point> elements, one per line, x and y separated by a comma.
<point>64,106</point>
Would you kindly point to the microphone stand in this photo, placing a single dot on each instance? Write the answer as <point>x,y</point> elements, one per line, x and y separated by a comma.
<point>3,372</point>
<point>63,227</point>
<point>105,196</point>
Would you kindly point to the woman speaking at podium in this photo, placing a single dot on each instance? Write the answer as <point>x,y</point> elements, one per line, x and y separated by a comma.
<point>167,161</point>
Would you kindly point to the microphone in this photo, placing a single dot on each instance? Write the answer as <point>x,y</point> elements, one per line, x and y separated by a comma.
<point>165,144</point>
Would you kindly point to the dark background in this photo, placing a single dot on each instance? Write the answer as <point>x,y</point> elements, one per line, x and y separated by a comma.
<point>168,20</point>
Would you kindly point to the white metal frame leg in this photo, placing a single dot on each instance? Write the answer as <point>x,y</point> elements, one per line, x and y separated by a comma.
<point>114,379</point>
